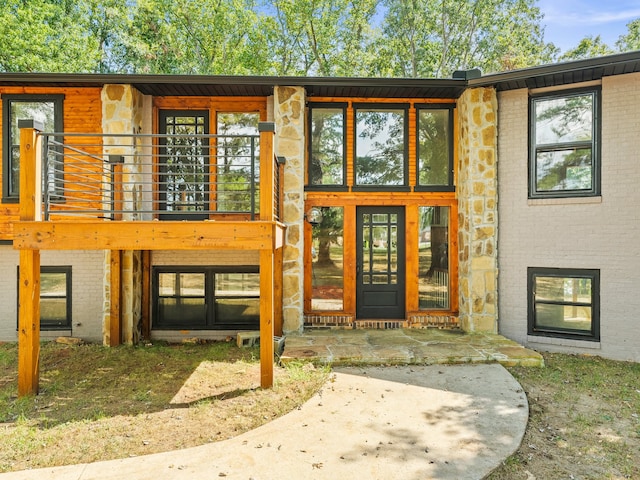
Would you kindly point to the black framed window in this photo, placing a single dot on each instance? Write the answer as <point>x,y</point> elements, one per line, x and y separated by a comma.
<point>564,158</point>
<point>206,298</point>
<point>327,146</point>
<point>564,303</point>
<point>435,148</point>
<point>237,162</point>
<point>55,297</point>
<point>43,108</point>
<point>184,164</point>
<point>381,134</point>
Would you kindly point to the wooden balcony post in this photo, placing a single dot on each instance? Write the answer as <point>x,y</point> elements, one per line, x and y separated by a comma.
<point>266,318</point>
<point>29,278</point>
<point>267,205</point>
<point>267,208</point>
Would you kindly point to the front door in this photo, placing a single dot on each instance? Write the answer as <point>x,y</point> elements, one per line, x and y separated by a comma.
<point>380,263</point>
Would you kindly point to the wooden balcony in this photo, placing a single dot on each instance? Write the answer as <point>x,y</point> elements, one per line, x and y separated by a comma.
<point>146,192</point>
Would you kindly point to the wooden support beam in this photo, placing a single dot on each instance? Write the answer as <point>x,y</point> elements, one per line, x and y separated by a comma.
<point>115,292</point>
<point>266,318</point>
<point>29,280</point>
<point>267,212</point>
<point>278,291</point>
<point>146,294</point>
<point>29,323</point>
<point>147,235</point>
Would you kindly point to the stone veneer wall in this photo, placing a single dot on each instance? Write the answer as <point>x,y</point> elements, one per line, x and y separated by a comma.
<point>289,107</point>
<point>477,210</point>
<point>123,109</point>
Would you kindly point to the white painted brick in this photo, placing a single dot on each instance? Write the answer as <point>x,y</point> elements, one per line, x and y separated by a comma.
<point>87,290</point>
<point>591,235</point>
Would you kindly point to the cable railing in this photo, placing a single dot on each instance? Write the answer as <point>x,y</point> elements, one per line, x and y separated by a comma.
<point>148,177</point>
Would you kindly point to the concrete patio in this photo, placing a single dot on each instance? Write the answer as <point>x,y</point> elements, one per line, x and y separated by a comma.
<point>405,346</point>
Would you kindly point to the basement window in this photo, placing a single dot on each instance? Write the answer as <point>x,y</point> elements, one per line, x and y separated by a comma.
<point>55,297</point>
<point>206,298</point>
<point>564,303</point>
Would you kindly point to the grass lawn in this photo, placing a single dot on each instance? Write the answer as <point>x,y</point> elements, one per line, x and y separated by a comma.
<point>99,403</point>
<point>584,421</point>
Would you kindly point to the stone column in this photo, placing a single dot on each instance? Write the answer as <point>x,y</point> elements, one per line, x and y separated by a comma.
<point>289,104</point>
<point>478,210</point>
<point>123,110</point>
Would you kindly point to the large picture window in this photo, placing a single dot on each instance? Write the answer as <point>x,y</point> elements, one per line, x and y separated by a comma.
<point>564,159</point>
<point>206,298</point>
<point>327,260</point>
<point>564,303</point>
<point>433,258</point>
<point>327,146</point>
<point>55,297</point>
<point>380,146</point>
<point>46,109</point>
<point>435,148</point>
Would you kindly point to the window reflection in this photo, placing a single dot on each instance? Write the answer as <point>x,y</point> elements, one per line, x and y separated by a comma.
<point>434,140</point>
<point>380,147</point>
<point>327,147</point>
<point>433,246</point>
<point>327,260</point>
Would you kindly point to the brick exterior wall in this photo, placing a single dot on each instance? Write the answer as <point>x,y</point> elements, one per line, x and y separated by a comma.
<point>86,290</point>
<point>600,233</point>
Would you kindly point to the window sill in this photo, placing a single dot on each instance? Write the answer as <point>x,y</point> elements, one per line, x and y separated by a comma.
<point>564,342</point>
<point>565,201</point>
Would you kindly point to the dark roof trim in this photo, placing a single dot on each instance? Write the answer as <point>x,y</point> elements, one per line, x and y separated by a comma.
<point>205,85</point>
<point>250,85</point>
<point>562,73</point>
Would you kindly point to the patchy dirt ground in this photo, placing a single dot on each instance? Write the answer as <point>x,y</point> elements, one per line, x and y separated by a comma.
<point>584,421</point>
<point>97,404</point>
<point>584,411</point>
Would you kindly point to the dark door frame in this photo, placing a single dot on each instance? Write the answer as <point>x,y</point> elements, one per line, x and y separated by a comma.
<point>380,262</point>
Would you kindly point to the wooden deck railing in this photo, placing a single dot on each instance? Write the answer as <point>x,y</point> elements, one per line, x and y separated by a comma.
<point>165,177</point>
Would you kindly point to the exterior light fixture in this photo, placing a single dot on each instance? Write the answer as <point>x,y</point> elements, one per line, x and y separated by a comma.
<point>313,216</point>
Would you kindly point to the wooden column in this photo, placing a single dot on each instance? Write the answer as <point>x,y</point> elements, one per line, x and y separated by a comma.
<point>267,209</point>
<point>277,291</point>
<point>266,318</point>
<point>115,318</point>
<point>29,279</point>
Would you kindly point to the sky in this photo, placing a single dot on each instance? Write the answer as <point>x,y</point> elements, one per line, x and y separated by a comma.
<point>569,21</point>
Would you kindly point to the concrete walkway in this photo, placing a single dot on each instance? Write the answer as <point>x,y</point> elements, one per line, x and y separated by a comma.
<point>401,422</point>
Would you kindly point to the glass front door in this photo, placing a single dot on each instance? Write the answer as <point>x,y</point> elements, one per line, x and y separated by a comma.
<point>380,279</point>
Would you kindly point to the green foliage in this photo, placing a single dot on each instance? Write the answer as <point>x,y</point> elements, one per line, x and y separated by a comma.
<point>630,41</point>
<point>587,48</point>
<point>367,38</point>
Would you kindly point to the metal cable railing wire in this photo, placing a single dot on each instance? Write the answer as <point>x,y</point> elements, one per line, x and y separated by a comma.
<point>152,176</point>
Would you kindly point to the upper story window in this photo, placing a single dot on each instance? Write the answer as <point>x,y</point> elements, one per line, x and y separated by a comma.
<point>327,159</point>
<point>564,159</point>
<point>435,148</point>
<point>380,146</point>
<point>43,108</point>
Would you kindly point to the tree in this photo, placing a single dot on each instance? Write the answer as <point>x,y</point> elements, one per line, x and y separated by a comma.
<point>204,37</point>
<point>46,36</point>
<point>630,41</point>
<point>319,37</point>
<point>588,47</point>
<point>433,38</point>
